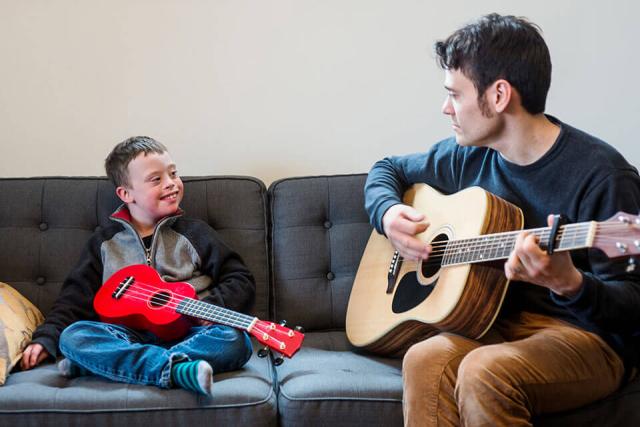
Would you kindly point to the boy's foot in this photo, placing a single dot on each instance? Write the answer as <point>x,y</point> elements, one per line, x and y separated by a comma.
<point>71,370</point>
<point>195,376</point>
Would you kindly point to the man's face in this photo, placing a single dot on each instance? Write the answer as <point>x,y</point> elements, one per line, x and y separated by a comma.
<point>473,122</point>
<point>155,190</point>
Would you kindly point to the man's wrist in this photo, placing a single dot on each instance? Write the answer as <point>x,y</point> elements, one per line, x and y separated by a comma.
<point>571,287</point>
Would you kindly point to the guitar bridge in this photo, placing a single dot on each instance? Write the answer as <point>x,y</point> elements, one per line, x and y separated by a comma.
<point>394,268</point>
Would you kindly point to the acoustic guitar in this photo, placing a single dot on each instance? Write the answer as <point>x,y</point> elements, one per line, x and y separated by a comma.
<point>137,297</point>
<point>461,286</point>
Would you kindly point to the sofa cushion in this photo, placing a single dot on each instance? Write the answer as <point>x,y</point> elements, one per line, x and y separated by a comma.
<point>43,397</point>
<point>319,231</point>
<point>327,383</point>
<point>18,319</point>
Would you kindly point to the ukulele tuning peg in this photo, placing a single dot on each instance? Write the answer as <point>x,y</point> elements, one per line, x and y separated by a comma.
<point>278,361</point>
<point>299,329</point>
<point>631,265</point>
<point>263,352</point>
<point>283,323</point>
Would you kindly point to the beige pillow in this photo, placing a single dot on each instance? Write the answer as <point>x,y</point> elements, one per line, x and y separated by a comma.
<point>18,319</point>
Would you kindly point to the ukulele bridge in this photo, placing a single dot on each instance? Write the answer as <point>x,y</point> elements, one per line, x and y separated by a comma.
<point>122,287</point>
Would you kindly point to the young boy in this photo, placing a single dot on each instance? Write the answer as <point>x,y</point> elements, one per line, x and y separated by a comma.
<point>149,228</point>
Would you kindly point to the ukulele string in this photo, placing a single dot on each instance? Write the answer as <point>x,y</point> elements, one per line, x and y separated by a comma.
<point>144,292</point>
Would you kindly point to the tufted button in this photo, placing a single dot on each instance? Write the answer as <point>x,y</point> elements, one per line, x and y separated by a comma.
<point>43,226</point>
<point>330,275</point>
<point>327,224</point>
<point>41,280</point>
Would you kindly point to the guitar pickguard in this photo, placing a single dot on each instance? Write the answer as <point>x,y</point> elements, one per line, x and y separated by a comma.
<point>410,293</point>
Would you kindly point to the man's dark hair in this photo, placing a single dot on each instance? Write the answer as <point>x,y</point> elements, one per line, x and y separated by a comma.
<point>119,158</point>
<point>501,47</point>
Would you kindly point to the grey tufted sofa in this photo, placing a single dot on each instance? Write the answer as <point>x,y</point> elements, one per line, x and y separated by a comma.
<point>302,238</point>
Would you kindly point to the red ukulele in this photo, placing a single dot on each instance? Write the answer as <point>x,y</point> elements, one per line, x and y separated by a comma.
<point>137,297</point>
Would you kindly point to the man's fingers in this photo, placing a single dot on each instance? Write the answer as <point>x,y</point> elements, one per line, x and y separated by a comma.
<point>413,215</point>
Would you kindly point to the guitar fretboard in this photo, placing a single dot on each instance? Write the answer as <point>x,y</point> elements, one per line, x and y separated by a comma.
<point>202,310</point>
<point>491,247</point>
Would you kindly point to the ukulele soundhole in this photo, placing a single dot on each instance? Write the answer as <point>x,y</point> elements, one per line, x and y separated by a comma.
<point>160,299</point>
<point>410,292</point>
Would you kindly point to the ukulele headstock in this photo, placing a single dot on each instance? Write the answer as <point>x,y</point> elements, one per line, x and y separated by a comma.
<point>277,337</point>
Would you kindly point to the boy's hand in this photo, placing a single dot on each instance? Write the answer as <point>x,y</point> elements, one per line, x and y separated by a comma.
<point>401,223</point>
<point>32,356</point>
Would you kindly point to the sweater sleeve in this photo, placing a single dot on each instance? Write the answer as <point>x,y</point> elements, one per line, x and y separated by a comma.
<point>389,178</point>
<point>75,301</point>
<point>610,295</point>
<point>232,285</point>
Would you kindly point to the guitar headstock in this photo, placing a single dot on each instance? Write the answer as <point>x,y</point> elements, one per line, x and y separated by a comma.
<point>619,236</point>
<point>278,337</point>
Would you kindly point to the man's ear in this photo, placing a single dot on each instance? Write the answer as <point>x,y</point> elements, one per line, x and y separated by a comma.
<point>124,194</point>
<point>503,94</point>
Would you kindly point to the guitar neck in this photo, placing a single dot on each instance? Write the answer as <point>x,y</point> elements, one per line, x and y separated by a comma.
<point>498,246</point>
<point>203,310</point>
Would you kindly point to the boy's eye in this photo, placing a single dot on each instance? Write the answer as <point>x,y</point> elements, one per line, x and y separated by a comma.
<point>174,173</point>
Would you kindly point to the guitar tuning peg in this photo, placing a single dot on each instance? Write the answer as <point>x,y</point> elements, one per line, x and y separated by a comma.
<point>263,352</point>
<point>631,265</point>
<point>283,323</point>
<point>278,361</point>
<point>299,329</point>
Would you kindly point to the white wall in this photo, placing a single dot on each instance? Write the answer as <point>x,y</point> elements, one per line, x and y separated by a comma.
<point>277,88</point>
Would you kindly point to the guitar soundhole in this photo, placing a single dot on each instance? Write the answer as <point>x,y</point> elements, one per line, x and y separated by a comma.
<point>432,265</point>
<point>160,299</point>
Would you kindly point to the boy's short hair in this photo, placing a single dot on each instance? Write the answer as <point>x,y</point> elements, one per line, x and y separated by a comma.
<point>501,47</point>
<point>122,154</point>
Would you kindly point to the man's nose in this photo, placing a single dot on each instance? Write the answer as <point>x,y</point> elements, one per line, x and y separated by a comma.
<point>446,107</point>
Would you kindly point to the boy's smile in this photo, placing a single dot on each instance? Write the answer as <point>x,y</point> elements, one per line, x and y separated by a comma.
<point>154,191</point>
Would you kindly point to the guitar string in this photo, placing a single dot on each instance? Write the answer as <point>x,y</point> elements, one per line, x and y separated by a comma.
<point>492,241</point>
<point>508,245</point>
<point>541,232</point>
<point>501,250</point>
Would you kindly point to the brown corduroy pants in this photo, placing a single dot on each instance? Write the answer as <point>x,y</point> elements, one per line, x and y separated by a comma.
<point>526,365</point>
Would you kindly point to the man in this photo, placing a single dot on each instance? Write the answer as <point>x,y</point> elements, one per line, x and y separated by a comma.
<point>565,334</point>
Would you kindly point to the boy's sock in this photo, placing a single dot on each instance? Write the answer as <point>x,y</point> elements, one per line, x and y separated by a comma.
<point>195,376</point>
<point>71,370</point>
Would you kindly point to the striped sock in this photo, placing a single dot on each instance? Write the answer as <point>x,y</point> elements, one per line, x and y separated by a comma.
<point>71,370</point>
<point>195,376</point>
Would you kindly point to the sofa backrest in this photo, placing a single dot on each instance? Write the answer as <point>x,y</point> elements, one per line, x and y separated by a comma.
<point>45,223</point>
<point>319,230</point>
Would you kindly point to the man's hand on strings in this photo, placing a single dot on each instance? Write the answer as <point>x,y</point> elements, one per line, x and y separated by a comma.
<point>401,223</point>
<point>529,263</point>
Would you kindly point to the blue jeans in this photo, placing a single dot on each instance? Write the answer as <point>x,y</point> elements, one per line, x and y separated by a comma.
<point>137,357</point>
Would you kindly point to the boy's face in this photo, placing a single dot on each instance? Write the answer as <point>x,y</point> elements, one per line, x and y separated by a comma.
<point>155,190</point>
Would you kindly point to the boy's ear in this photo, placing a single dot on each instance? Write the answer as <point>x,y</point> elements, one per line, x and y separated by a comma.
<point>124,194</point>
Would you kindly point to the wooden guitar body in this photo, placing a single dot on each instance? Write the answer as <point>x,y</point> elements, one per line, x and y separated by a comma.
<point>424,299</point>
